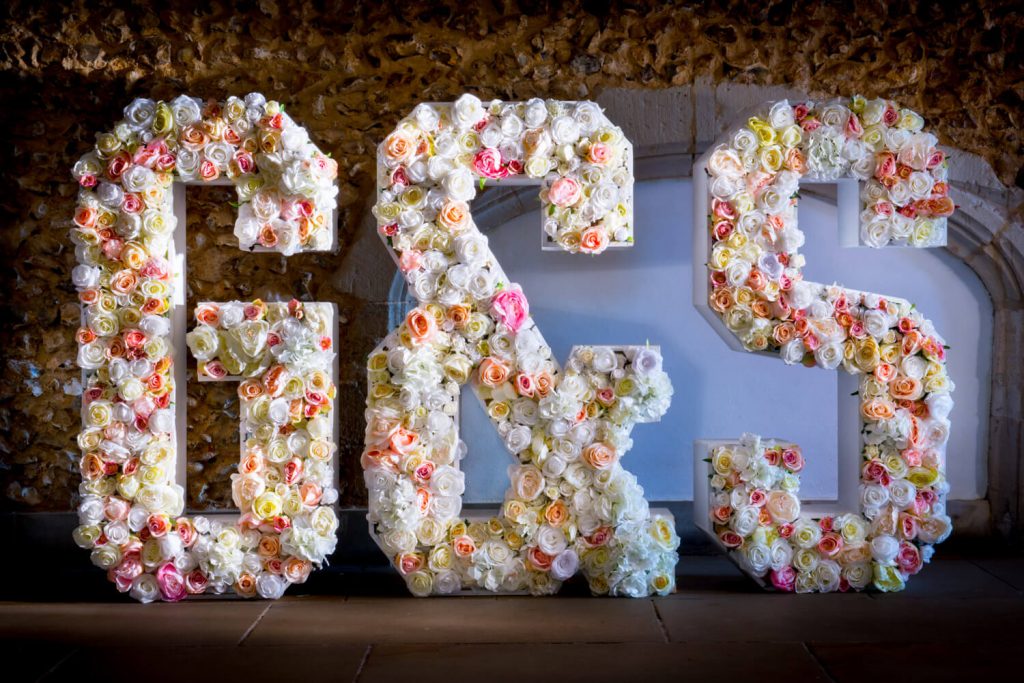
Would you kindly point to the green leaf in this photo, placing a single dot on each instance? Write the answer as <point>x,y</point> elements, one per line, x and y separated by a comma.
<point>482,180</point>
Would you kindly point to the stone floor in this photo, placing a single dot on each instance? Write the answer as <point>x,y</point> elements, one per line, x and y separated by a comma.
<point>961,619</point>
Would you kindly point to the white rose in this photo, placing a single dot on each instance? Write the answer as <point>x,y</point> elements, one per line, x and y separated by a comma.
<point>161,421</point>
<point>939,405</point>
<point>565,130</point>
<point>551,540</point>
<point>884,549</point>
<point>185,110</point>
<point>827,574</point>
<point>902,493</point>
<point>873,495</point>
<point>744,140</point>
<point>745,520</point>
<point>604,359</point>
<point>426,116</point>
<point>448,481</point>
<point>792,352</point>
<point>801,295</point>
<point>139,114</point>
<point>145,589</point>
<point>589,116</point>
<point>518,439</point>
<point>725,162</point>
<point>270,586</point>
<point>535,112</point>
<point>758,557</point>
<point>920,184</point>
<point>781,115</point>
<point>459,184</point>
<point>829,356</point>
<point>781,554</point>
<point>565,565</point>
<point>467,111</point>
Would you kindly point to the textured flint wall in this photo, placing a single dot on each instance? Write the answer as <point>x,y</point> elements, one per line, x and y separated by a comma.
<point>348,76</point>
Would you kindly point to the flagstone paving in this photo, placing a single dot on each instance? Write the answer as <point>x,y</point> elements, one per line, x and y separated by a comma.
<point>959,620</point>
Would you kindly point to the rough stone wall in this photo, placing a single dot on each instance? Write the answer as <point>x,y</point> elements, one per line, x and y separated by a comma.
<point>348,72</point>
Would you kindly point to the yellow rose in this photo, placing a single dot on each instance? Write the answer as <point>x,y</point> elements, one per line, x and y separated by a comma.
<point>99,414</point>
<point>922,477</point>
<point>722,461</point>
<point>323,521</point>
<point>268,505</point>
<point>441,558</point>
<point>420,583</point>
<point>498,410</point>
<point>888,579</point>
<point>163,119</point>
<point>771,158</point>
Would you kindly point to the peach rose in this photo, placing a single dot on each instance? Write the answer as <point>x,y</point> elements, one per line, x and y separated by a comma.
<point>556,513</point>
<point>399,146</point>
<point>492,372</point>
<point>459,315</point>
<point>463,546</point>
<point>527,482</point>
<point>540,560</point>
<point>877,409</point>
<point>593,240</point>
<point>599,455</point>
<point>403,441</point>
<point>783,507</point>
<point>544,383</point>
<point>422,326</point>
<point>906,388</point>
<point>454,215</point>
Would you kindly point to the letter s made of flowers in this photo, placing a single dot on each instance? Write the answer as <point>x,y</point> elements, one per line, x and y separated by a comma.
<point>571,506</point>
<point>132,289</point>
<point>754,294</point>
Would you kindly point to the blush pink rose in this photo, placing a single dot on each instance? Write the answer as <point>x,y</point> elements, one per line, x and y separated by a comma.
<point>487,163</point>
<point>564,192</point>
<point>784,579</point>
<point>908,559</point>
<point>510,307</point>
<point>172,584</point>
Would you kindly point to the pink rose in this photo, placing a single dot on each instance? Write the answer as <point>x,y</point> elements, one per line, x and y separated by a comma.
<point>172,584</point>
<point>784,579</point>
<point>510,307</point>
<point>792,460</point>
<point>908,559</point>
<point>409,260</point>
<point>599,153</point>
<point>196,582</point>
<point>564,192</point>
<point>487,163</point>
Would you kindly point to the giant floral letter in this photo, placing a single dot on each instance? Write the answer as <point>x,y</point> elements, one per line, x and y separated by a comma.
<point>571,506</point>
<point>754,295</point>
<point>127,229</point>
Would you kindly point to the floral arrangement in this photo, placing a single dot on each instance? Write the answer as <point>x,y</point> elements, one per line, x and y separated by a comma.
<point>583,163</point>
<point>905,194</point>
<point>756,514</point>
<point>571,506</point>
<point>758,290</point>
<point>285,184</point>
<point>131,510</point>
